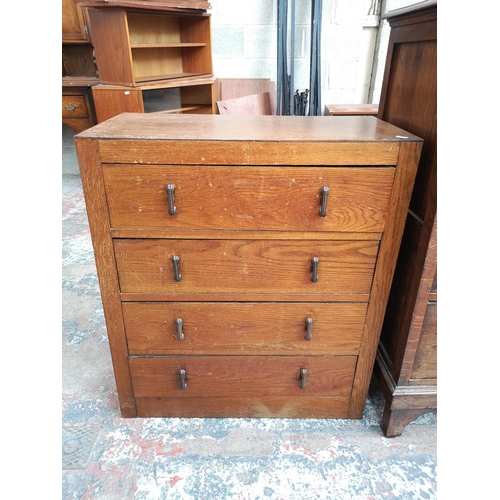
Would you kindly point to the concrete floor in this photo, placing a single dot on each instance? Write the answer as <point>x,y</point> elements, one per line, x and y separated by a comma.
<point>107,457</point>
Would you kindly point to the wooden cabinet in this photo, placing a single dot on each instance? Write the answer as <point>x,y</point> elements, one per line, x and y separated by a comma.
<point>406,361</point>
<point>77,105</point>
<point>245,261</point>
<point>134,47</point>
<point>79,71</point>
<point>196,96</point>
<point>74,23</point>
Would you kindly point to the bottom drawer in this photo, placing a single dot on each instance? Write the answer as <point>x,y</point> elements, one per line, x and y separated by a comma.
<point>216,376</point>
<point>245,386</point>
<point>245,407</point>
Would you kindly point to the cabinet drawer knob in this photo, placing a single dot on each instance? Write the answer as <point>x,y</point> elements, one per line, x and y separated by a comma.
<point>71,107</point>
<point>178,326</point>
<point>182,374</point>
<point>303,373</point>
<point>324,200</point>
<point>314,269</point>
<point>176,261</point>
<point>170,195</point>
<point>308,335</point>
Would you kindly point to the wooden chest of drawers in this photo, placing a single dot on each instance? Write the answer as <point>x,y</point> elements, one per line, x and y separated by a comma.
<point>245,261</point>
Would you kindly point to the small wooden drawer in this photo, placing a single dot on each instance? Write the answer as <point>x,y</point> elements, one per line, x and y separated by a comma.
<point>242,328</point>
<point>249,198</point>
<point>74,106</point>
<point>279,267</point>
<point>245,376</point>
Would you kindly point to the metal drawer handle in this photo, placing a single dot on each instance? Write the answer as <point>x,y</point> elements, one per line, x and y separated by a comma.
<point>314,269</point>
<point>170,195</point>
<point>178,325</point>
<point>176,261</point>
<point>324,200</point>
<point>303,373</point>
<point>308,335</point>
<point>182,374</point>
<point>71,107</point>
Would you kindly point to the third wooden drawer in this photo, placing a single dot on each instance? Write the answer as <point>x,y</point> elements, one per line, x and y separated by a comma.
<point>243,328</point>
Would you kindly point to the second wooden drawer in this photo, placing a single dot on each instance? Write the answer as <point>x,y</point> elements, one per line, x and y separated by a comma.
<point>272,267</point>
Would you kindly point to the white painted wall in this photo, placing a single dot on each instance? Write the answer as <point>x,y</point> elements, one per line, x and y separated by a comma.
<point>244,45</point>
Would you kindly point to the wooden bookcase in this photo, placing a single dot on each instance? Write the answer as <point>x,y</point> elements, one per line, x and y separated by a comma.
<point>134,47</point>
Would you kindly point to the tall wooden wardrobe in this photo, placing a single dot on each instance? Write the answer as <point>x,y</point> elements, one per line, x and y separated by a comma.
<point>406,364</point>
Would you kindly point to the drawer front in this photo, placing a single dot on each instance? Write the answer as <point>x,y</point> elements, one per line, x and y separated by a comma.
<point>243,328</point>
<point>74,106</point>
<point>242,266</point>
<point>248,407</point>
<point>249,198</point>
<point>219,376</point>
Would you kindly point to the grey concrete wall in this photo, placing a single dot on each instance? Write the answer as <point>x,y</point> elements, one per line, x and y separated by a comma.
<point>244,45</point>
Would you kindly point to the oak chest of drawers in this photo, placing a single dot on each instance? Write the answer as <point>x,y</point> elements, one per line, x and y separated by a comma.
<point>245,261</point>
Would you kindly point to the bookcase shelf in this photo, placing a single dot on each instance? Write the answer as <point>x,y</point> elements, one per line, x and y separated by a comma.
<point>133,48</point>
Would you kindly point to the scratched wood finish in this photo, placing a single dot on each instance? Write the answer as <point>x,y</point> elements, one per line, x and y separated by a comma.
<point>255,140</point>
<point>249,153</point>
<point>245,291</point>
<point>241,266</point>
<point>367,135</point>
<point>95,199</point>
<point>248,198</point>
<point>246,376</point>
<point>236,328</point>
<point>384,271</point>
<point>244,407</point>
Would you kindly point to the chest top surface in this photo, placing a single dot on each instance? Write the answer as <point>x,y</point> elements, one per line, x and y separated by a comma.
<point>300,129</point>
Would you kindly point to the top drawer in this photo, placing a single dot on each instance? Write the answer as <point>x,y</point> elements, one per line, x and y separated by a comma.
<point>248,198</point>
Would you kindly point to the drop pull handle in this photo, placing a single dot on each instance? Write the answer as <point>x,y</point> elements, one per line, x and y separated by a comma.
<point>308,335</point>
<point>182,374</point>
<point>314,269</point>
<point>303,373</point>
<point>178,326</point>
<point>324,200</point>
<point>172,209</point>
<point>176,261</point>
